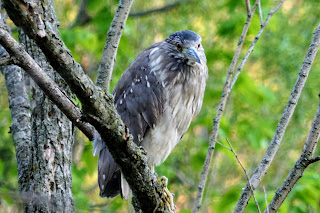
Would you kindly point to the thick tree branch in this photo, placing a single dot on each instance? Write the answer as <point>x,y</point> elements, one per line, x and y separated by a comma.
<point>49,87</point>
<point>165,8</point>
<point>301,164</point>
<point>112,43</point>
<point>20,127</point>
<point>98,109</point>
<point>264,165</point>
<point>221,107</point>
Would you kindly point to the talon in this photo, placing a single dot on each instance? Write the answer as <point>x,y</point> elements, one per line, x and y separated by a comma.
<point>168,195</point>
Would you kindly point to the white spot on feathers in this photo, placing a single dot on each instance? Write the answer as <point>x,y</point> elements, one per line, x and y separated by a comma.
<point>148,84</point>
<point>121,101</point>
<point>104,177</point>
<point>131,90</point>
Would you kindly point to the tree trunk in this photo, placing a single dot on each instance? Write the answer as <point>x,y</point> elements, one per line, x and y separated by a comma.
<point>51,137</point>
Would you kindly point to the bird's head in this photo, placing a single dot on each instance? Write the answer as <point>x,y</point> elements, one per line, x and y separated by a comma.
<point>188,46</point>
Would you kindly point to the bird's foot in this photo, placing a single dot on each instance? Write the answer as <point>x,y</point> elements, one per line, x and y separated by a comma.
<point>168,196</point>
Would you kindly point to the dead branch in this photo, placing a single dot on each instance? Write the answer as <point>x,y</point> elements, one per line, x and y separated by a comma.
<point>112,43</point>
<point>301,164</point>
<point>216,121</point>
<point>165,8</point>
<point>264,165</point>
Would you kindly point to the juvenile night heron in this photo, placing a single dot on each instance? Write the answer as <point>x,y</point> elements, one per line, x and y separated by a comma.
<point>157,97</point>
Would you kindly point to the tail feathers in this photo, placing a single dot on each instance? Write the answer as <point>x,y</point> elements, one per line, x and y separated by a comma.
<point>125,188</point>
<point>98,144</point>
<point>111,181</point>
<point>109,175</point>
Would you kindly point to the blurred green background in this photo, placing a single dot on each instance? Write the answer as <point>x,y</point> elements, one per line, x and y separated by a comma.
<point>251,116</point>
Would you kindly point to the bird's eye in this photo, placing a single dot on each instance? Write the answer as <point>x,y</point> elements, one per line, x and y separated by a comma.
<point>179,47</point>
<point>198,46</point>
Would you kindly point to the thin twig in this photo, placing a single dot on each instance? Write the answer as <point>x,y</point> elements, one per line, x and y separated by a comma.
<point>254,42</point>
<point>248,7</point>
<point>245,172</point>
<point>265,198</point>
<point>165,8</point>
<point>223,146</point>
<point>6,61</point>
<point>216,121</point>
<point>301,164</point>
<point>314,159</point>
<point>264,165</point>
<point>82,17</point>
<point>260,13</point>
<point>112,43</point>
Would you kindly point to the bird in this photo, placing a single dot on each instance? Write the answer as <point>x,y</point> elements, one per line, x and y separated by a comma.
<point>157,97</point>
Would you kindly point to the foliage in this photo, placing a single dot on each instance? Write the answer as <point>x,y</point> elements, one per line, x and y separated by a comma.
<point>253,109</point>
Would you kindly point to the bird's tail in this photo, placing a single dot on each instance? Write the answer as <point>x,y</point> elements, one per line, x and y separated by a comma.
<point>111,181</point>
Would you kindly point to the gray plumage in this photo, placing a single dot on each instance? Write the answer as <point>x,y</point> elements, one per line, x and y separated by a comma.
<point>157,96</point>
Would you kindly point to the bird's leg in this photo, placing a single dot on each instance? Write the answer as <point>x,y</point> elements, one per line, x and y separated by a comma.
<point>168,194</point>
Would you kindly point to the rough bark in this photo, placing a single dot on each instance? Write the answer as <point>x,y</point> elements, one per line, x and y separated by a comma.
<point>98,109</point>
<point>20,127</point>
<point>51,136</point>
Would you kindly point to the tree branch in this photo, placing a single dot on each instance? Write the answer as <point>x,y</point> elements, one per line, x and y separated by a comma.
<point>264,165</point>
<point>260,13</point>
<point>301,164</point>
<point>7,61</point>
<point>112,43</point>
<point>82,16</point>
<point>245,172</point>
<point>221,107</point>
<point>49,87</point>
<point>165,8</point>
<point>98,109</point>
<point>20,127</point>
<point>256,38</point>
<point>248,7</point>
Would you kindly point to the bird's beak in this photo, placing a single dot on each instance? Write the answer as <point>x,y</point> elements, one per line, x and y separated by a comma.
<point>194,54</point>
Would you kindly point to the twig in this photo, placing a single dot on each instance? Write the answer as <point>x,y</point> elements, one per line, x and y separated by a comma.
<point>82,17</point>
<point>301,164</point>
<point>216,121</point>
<point>6,61</point>
<point>265,198</point>
<point>165,8</point>
<point>260,13</point>
<point>264,165</point>
<point>112,43</point>
<point>245,172</point>
<point>223,145</point>
<point>254,42</point>
<point>315,159</point>
<point>248,7</point>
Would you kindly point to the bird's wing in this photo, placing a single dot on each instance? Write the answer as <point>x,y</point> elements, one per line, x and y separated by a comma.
<point>139,96</point>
